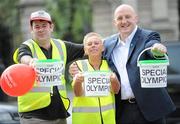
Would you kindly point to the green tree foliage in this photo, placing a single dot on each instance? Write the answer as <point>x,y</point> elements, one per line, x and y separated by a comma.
<point>72,18</point>
<point>9,14</point>
<point>9,29</point>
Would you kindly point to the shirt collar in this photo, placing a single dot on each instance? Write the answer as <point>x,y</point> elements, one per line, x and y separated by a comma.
<point>129,38</point>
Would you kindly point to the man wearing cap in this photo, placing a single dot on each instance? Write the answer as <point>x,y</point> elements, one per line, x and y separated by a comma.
<point>44,105</point>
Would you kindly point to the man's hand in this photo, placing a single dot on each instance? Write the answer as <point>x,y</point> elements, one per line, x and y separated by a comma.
<point>32,62</point>
<point>158,49</point>
<point>73,69</point>
<point>28,60</point>
<point>115,85</point>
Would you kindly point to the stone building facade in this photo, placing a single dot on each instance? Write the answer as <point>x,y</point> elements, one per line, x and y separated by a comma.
<point>159,15</point>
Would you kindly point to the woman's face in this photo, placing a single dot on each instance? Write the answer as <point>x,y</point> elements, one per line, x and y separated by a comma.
<point>93,46</point>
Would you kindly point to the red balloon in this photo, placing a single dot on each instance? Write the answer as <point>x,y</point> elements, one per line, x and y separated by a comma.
<point>17,79</point>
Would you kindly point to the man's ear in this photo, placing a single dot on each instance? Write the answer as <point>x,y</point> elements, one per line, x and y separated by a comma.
<point>52,27</point>
<point>85,52</point>
<point>137,19</point>
<point>114,22</point>
<point>30,28</point>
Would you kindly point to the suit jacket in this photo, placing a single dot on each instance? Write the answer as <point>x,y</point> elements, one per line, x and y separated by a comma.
<point>154,103</point>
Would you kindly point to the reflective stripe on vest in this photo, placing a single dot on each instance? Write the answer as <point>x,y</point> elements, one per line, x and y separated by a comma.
<point>58,45</point>
<point>30,42</point>
<point>93,109</point>
<point>47,89</point>
<point>40,97</point>
<point>84,65</point>
<point>96,110</point>
<point>56,42</point>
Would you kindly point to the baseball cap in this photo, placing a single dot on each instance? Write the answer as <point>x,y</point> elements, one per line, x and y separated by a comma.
<point>40,15</point>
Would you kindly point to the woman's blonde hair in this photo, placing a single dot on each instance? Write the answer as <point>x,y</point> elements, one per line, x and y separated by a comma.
<point>90,34</point>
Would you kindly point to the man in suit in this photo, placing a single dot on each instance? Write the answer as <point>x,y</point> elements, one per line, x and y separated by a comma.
<point>135,105</point>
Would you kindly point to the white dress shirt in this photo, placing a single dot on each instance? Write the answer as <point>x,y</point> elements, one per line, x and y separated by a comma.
<point>119,57</point>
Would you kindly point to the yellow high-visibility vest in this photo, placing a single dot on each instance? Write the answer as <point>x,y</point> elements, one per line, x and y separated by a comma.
<point>39,97</point>
<point>93,110</point>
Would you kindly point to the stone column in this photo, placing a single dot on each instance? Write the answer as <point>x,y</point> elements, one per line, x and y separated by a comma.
<point>165,19</point>
<point>103,16</point>
<point>131,2</point>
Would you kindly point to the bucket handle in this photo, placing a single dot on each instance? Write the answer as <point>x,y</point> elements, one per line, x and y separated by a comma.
<point>149,48</point>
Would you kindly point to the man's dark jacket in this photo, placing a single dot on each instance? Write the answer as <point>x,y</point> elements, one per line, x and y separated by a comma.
<point>154,103</point>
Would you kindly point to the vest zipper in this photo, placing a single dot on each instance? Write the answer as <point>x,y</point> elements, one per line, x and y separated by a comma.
<point>100,111</point>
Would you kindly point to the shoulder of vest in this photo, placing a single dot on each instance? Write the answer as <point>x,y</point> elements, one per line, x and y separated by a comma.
<point>82,63</point>
<point>57,40</point>
<point>61,47</point>
<point>105,64</point>
<point>28,42</point>
<point>104,61</point>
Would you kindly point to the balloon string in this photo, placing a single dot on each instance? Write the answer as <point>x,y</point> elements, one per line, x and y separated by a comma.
<point>67,99</point>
